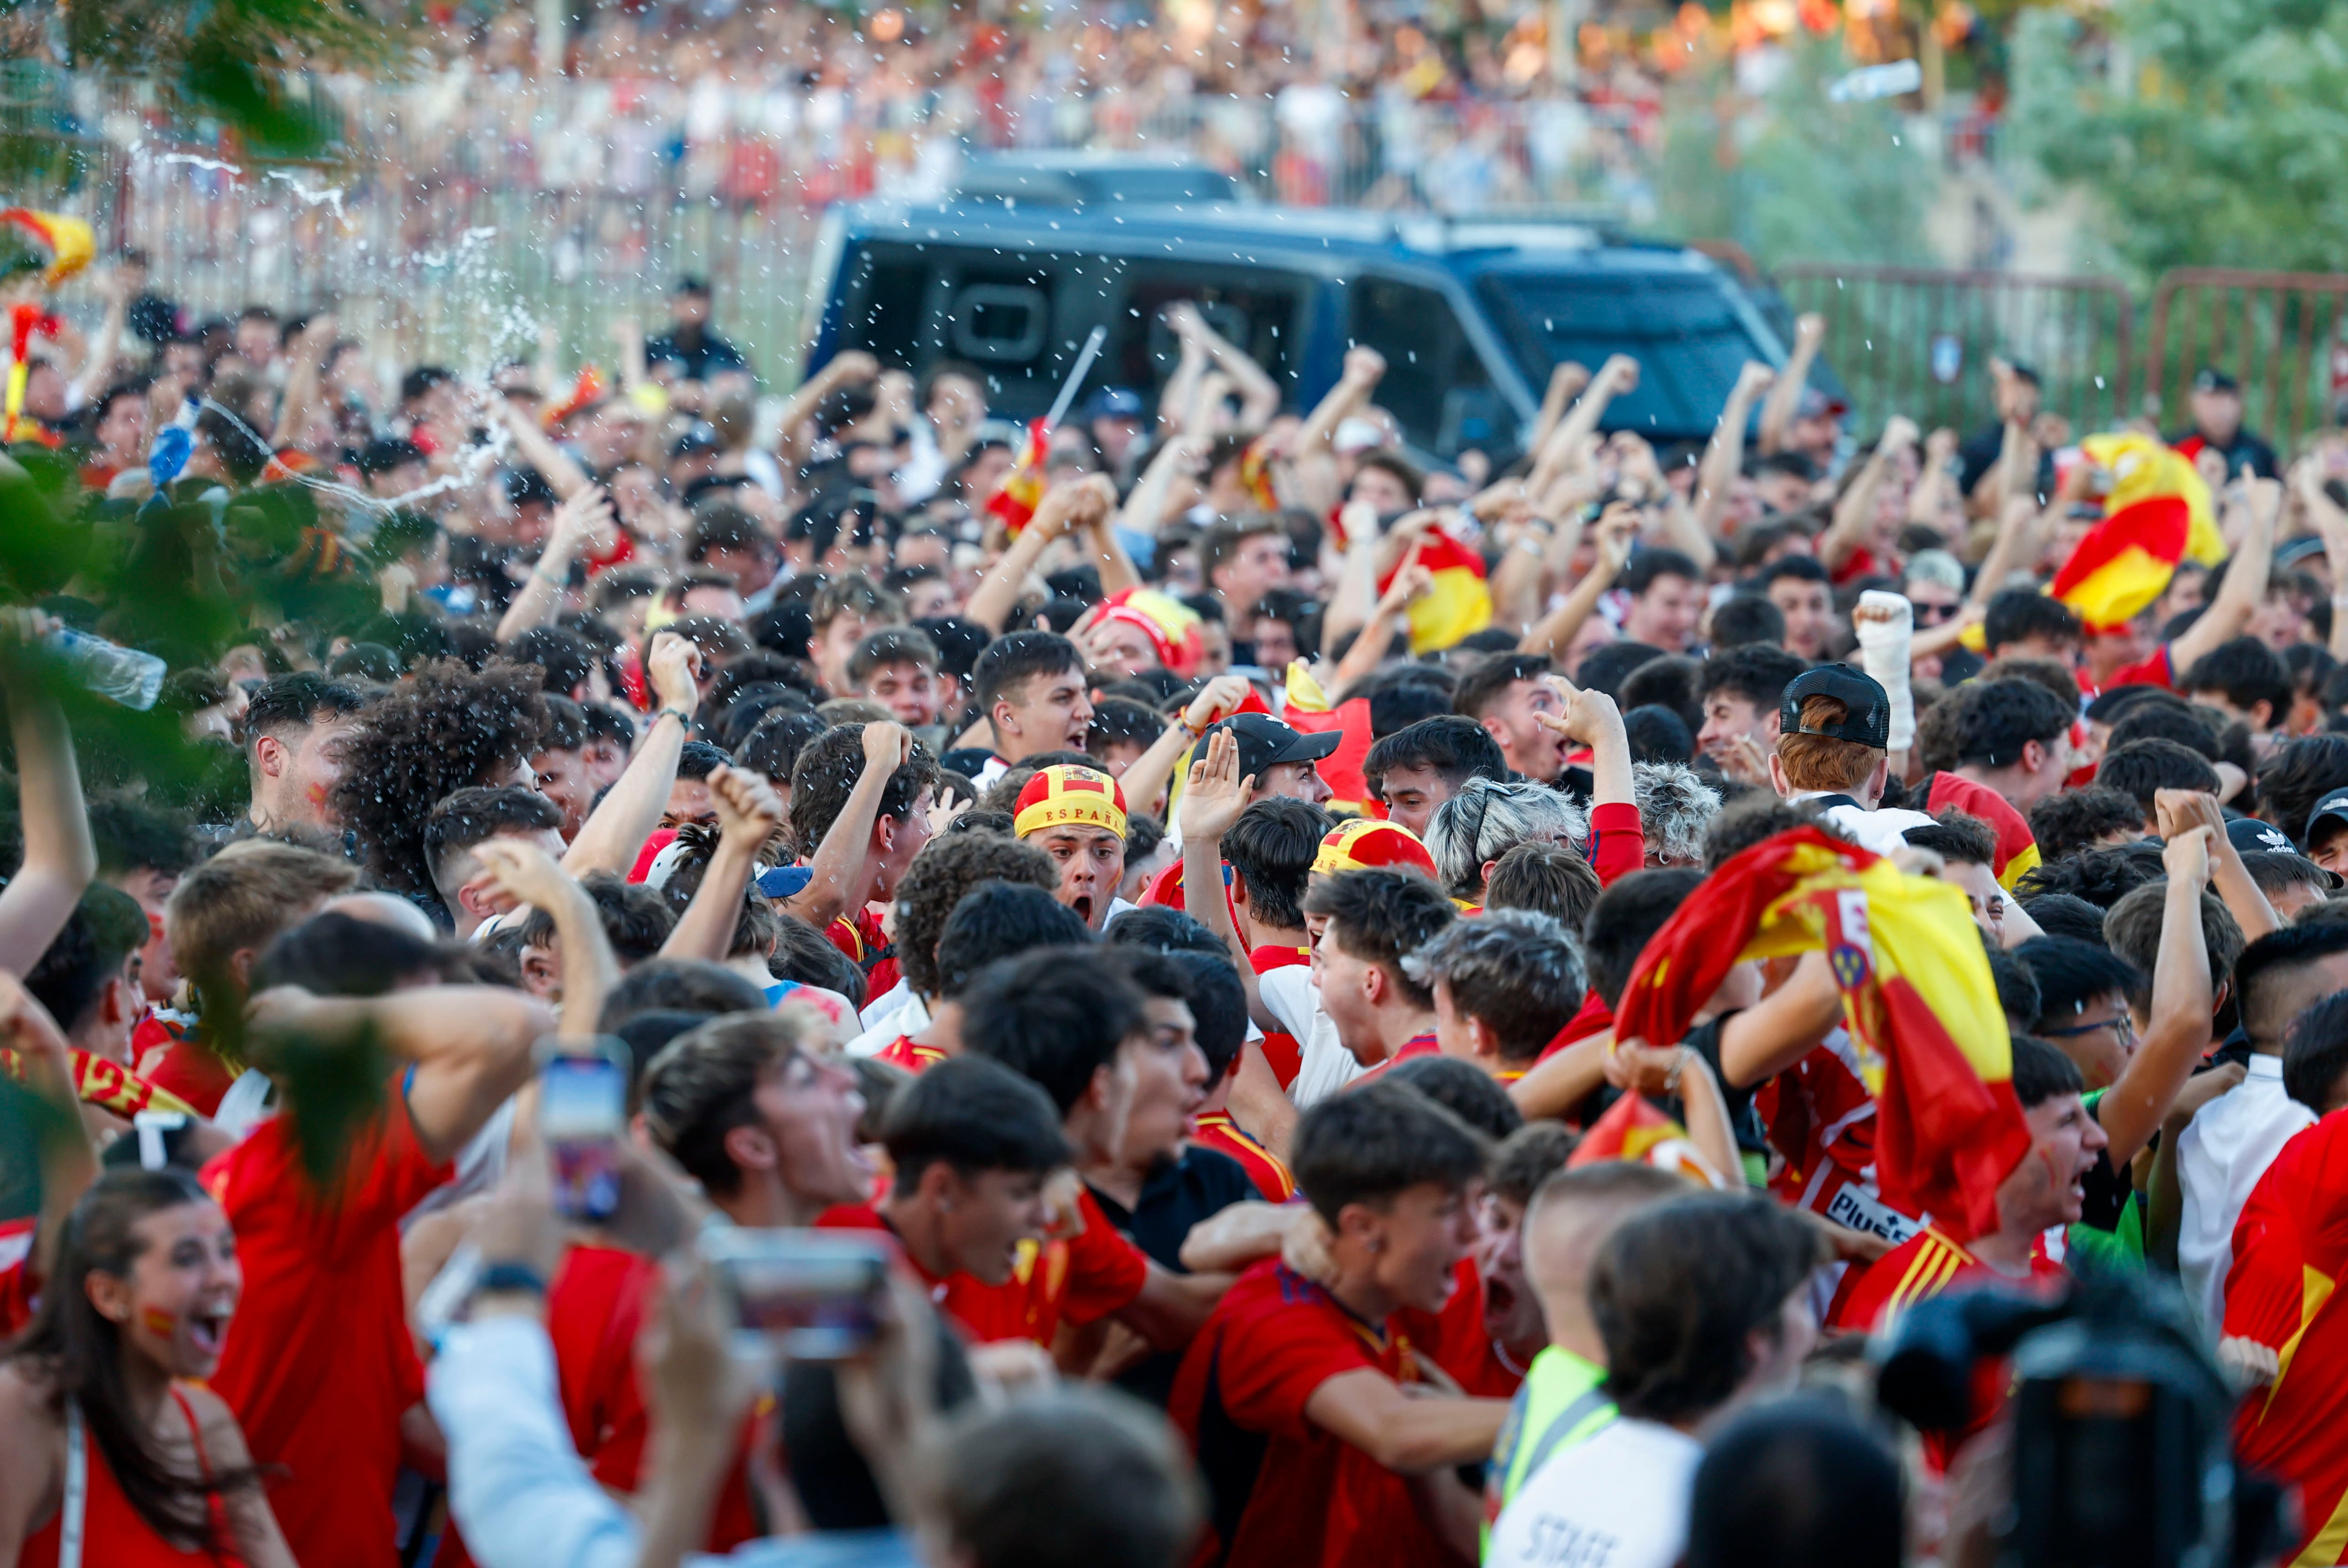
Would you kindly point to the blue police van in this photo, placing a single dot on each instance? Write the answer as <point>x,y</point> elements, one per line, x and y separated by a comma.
<point>1471,314</point>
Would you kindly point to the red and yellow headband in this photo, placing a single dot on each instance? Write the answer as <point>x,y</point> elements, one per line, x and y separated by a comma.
<point>1069,795</point>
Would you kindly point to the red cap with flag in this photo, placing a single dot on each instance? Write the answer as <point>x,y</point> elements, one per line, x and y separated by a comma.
<point>1367,844</point>
<point>1634,1131</point>
<point>1069,796</point>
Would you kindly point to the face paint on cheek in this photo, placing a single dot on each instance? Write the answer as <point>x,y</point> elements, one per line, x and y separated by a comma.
<point>315,793</point>
<point>158,1321</point>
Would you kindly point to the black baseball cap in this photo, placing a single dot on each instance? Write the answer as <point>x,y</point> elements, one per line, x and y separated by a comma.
<point>2212,379</point>
<point>2249,834</point>
<point>1264,743</point>
<point>2333,806</point>
<point>1869,717</point>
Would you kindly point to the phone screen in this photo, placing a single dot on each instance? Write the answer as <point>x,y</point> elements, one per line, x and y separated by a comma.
<point>582,1111</point>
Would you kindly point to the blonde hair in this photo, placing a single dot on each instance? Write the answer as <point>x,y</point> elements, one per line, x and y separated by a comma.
<point>1821,761</point>
<point>245,896</point>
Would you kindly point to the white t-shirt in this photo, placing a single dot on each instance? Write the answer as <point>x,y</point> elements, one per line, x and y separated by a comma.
<point>2226,1147</point>
<point>1618,1500</point>
<point>1325,1066</point>
<point>1879,830</point>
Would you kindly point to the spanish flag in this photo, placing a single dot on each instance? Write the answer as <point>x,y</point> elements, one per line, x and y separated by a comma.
<point>1633,1131</point>
<point>64,246</point>
<point>587,390</point>
<point>2156,514</point>
<point>1308,709</point>
<point>1460,605</point>
<point>1023,487</point>
<point>1918,1000</point>
<point>25,320</point>
<point>1255,474</point>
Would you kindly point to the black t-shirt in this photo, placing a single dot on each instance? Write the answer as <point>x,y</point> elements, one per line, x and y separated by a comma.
<point>1979,455</point>
<point>697,354</point>
<point>2245,447</point>
<point>1203,1182</point>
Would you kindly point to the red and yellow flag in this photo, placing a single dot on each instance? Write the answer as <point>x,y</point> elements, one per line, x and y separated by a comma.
<point>1255,474</point>
<point>68,241</point>
<point>587,389</point>
<point>2156,514</point>
<point>1023,487</point>
<point>1308,711</point>
<point>1460,603</point>
<point>1918,1000</point>
<point>1634,1131</point>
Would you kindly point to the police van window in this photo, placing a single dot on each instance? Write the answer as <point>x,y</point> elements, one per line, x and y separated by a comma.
<point>1435,383</point>
<point>999,323</point>
<point>1256,310</point>
<point>881,303</point>
<point>1683,328</point>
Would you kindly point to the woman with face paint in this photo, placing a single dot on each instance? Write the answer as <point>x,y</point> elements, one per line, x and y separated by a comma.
<point>115,1456</point>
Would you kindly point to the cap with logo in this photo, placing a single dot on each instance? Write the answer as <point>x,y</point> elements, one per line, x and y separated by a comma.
<point>1065,796</point>
<point>1867,718</point>
<point>2212,379</point>
<point>1264,743</point>
<point>2249,834</point>
<point>1367,844</point>
<point>2335,807</point>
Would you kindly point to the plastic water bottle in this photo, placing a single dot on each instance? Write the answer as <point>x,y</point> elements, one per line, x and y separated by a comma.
<point>126,675</point>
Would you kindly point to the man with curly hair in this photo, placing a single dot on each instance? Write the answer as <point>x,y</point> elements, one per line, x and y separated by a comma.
<point>452,729</point>
<point>944,870</point>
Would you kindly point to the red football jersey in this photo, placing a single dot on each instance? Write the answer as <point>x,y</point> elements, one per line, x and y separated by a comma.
<point>1289,1494</point>
<point>1076,1279</point>
<point>903,1052</point>
<point>319,1364</point>
<point>1218,1131</point>
<point>2291,1246</point>
<point>1456,1338</point>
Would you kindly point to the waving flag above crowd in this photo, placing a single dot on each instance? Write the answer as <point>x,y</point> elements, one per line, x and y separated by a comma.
<point>1461,602</point>
<point>1918,1000</point>
<point>2156,514</point>
<point>1023,486</point>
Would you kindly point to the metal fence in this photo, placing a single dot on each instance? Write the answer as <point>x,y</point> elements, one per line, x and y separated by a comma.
<point>2284,336</point>
<point>1919,342</point>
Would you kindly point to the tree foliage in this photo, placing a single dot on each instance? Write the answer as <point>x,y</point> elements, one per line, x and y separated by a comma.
<point>1792,176</point>
<point>2204,132</point>
<point>246,64</point>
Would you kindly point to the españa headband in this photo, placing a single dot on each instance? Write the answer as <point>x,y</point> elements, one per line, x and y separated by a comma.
<point>1367,844</point>
<point>1067,796</point>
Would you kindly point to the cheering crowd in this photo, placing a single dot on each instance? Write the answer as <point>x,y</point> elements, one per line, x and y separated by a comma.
<point>1368,1014</point>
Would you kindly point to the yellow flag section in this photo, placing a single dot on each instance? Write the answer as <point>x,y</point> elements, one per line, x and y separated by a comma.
<point>1918,1000</point>
<point>2156,513</point>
